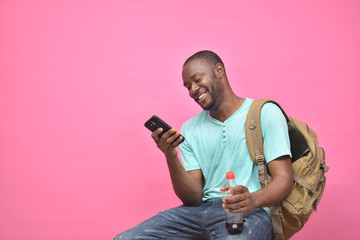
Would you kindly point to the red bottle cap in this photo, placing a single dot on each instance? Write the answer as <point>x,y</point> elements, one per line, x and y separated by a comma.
<point>230,175</point>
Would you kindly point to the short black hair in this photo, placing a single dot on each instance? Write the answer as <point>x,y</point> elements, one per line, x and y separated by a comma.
<point>207,56</point>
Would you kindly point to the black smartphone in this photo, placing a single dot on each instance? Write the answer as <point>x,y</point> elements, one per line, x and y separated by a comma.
<point>155,122</point>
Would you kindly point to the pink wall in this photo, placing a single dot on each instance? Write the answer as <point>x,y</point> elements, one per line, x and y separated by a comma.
<point>79,78</point>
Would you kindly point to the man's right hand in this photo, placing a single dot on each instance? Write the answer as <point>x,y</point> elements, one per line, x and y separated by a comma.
<point>168,141</point>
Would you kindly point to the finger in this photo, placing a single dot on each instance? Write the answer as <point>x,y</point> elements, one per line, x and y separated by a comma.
<point>168,133</point>
<point>224,188</point>
<point>155,134</point>
<point>237,198</point>
<point>173,135</point>
<point>239,189</point>
<point>237,203</point>
<point>166,139</point>
<point>244,209</point>
<point>231,207</point>
<point>178,139</point>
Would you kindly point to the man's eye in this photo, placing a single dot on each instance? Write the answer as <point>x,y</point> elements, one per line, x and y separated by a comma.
<point>198,80</point>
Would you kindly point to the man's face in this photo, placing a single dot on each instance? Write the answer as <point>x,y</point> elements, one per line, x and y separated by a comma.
<point>200,80</point>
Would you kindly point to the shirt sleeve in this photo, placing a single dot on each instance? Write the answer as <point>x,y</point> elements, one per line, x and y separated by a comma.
<point>275,132</point>
<point>187,155</point>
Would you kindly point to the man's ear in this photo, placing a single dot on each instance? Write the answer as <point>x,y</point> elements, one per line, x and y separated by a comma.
<point>219,70</point>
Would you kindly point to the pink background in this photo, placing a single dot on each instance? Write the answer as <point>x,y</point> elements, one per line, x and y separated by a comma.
<point>79,78</point>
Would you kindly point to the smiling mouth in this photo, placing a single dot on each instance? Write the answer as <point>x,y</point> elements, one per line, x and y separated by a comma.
<point>201,96</point>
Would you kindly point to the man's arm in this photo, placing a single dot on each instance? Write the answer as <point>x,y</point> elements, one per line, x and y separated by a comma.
<point>187,185</point>
<point>277,190</point>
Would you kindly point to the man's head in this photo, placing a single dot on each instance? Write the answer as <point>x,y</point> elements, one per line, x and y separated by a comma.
<point>206,56</point>
<point>203,75</point>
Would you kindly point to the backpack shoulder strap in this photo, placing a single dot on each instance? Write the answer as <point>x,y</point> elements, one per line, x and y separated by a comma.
<point>255,143</point>
<point>253,129</point>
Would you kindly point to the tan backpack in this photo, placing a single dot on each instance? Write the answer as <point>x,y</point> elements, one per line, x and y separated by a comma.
<point>308,163</point>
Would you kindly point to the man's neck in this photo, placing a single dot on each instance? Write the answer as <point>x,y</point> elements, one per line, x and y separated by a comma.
<point>227,108</point>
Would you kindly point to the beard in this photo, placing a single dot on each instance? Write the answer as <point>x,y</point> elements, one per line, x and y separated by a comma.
<point>213,96</point>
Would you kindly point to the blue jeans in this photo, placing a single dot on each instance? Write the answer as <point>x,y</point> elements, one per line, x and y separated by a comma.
<point>206,221</point>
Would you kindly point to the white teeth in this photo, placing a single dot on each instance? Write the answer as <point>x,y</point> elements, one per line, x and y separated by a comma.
<point>201,96</point>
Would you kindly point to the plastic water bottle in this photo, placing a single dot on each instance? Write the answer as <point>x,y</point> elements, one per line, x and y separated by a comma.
<point>234,222</point>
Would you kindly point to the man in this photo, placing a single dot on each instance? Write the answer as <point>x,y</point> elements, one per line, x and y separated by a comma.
<point>214,144</point>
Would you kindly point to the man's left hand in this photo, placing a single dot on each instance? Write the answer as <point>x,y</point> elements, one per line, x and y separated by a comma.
<point>240,201</point>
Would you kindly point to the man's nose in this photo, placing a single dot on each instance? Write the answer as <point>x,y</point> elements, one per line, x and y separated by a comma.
<point>194,88</point>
